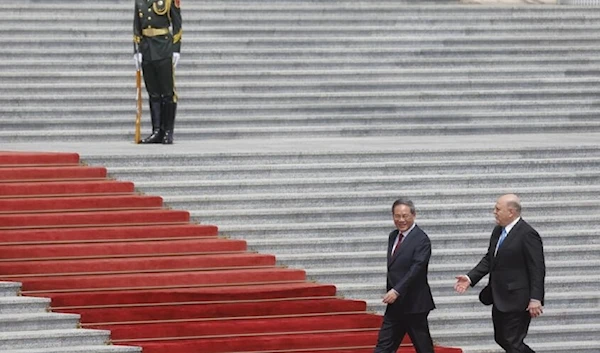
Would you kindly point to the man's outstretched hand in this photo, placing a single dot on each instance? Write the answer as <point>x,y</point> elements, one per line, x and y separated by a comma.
<point>462,284</point>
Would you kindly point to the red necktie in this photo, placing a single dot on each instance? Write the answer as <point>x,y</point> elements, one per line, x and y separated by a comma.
<point>400,236</point>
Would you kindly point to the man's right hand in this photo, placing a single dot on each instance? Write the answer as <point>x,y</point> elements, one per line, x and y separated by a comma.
<point>137,59</point>
<point>462,284</point>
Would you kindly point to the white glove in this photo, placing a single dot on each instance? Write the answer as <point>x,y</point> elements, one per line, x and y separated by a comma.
<point>137,59</point>
<point>175,59</point>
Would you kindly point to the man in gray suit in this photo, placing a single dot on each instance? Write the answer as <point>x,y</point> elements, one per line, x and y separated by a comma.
<point>515,263</point>
<point>408,296</point>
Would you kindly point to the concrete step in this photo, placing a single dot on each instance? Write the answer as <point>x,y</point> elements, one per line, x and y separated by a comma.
<point>261,27</point>
<point>355,184</point>
<point>23,305</point>
<point>443,8</point>
<point>365,97</point>
<point>445,288</point>
<point>322,41</point>
<point>379,213</point>
<point>481,226</point>
<point>317,170</point>
<point>580,346</point>
<point>120,76</point>
<point>122,60</point>
<point>470,302</point>
<point>352,155</point>
<point>356,241</point>
<point>18,322</point>
<point>337,86</point>
<point>387,105</point>
<point>53,338</point>
<point>502,53</point>
<point>81,349</point>
<point>198,202</point>
<point>103,135</point>
<point>9,289</point>
<point>357,271</point>
<point>547,334</point>
<point>452,258</point>
<point>215,124</point>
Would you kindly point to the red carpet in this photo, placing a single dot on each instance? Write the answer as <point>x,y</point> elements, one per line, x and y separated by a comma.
<point>125,263</point>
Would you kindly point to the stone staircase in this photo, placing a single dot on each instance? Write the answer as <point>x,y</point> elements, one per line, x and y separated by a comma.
<point>380,99</point>
<point>28,327</point>
<point>329,213</point>
<point>302,68</point>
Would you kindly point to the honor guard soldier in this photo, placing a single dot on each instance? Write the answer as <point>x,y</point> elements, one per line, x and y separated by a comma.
<point>157,42</point>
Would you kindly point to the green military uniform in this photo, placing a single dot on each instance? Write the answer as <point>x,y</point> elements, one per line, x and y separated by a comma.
<point>157,43</point>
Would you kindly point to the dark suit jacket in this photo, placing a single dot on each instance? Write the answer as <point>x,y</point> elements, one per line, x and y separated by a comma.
<point>407,273</point>
<point>516,272</point>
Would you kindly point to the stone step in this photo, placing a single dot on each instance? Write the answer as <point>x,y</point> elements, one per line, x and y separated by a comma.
<point>354,184</point>
<point>296,122</point>
<point>556,334</point>
<point>9,289</point>
<point>357,271</point>
<point>580,346</point>
<point>473,51</point>
<point>19,322</point>
<point>120,77</point>
<point>443,8</point>
<point>354,97</point>
<point>23,305</point>
<point>388,105</point>
<point>53,338</point>
<point>481,226</point>
<point>470,303</point>
<point>81,349</point>
<point>337,154</point>
<point>444,288</point>
<point>317,170</point>
<point>356,241</point>
<point>192,88</point>
<point>122,60</point>
<point>197,201</point>
<point>103,135</point>
<point>452,258</point>
<point>380,213</point>
<point>322,42</point>
<point>257,30</point>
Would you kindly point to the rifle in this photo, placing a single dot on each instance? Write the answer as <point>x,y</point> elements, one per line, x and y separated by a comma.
<point>138,112</point>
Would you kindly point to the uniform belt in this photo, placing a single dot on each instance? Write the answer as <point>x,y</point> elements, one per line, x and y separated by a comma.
<point>153,32</point>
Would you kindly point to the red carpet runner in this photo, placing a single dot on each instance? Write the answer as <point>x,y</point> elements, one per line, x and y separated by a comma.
<point>126,263</point>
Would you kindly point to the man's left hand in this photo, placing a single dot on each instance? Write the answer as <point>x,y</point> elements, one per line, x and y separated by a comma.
<point>390,297</point>
<point>535,308</point>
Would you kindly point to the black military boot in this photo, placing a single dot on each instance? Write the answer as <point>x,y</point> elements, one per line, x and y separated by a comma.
<point>169,122</point>
<point>155,113</point>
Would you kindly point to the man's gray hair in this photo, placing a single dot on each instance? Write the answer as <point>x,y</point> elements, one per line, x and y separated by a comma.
<point>406,202</point>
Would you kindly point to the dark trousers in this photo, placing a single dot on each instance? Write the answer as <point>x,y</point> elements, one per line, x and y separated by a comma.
<point>510,329</point>
<point>158,77</point>
<point>395,326</point>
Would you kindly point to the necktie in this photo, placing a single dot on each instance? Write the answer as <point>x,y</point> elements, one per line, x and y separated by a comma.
<point>502,237</point>
<point>400,236</point>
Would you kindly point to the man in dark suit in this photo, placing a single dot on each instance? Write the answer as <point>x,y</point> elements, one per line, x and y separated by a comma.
<point>515,263</point>
<point>156,51</point>
<point>408,296</point>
